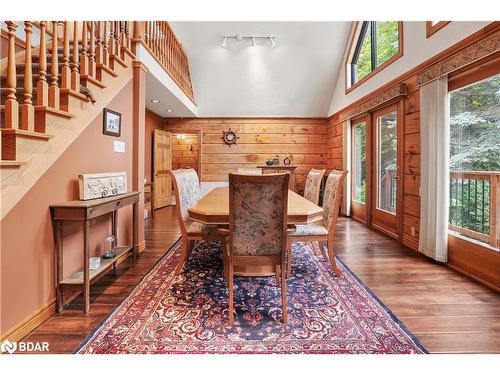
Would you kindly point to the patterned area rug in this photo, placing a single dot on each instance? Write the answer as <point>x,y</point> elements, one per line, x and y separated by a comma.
<point>187,314</point>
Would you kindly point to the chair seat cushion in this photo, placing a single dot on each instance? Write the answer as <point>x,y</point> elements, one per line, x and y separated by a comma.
<point>194,227</point>
<point>313,229</point>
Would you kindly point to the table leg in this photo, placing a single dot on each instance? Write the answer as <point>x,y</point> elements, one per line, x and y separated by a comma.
<point>86,269</point>
<point>57,227</point>
<point>134,233</point>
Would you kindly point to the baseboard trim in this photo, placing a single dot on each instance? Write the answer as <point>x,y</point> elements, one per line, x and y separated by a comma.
<point>479,280</point>
<point>141,246</point>
<point>22,329</point>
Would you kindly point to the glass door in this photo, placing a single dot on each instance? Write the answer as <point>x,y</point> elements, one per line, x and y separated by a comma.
<point>386,192</point>
<point>359,169</point>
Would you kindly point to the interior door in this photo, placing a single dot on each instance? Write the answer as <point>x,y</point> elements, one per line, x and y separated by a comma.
<point>360,167</point>
<point>387,159</point>
<point>162,162</point>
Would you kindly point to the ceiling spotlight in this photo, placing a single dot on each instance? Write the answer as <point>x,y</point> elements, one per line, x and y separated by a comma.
<point>273,43</point>
<point>253,41</point>
<point>154,101</point>
<point>169,110</point>
<point>224,43</point>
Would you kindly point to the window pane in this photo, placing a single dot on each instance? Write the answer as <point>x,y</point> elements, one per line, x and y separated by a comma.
<point>362,66</point>
<point>387,162</point>
<point>387,40</point>
<point>474,157</point>
<point>359,163</point>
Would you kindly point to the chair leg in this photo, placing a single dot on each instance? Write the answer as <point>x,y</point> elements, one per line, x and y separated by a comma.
<point>225,259</point>
<point>283,290</point>
<point>289,260</point>
<point>182,257</point>
<point>230,285</point>
<point>191,244</point>
<point>332,258</point>
<point>322,247</point>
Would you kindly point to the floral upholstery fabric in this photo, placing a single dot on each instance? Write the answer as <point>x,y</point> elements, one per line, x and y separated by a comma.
<point>329,197</point>
<point>313,182</point>
<point>257,219</point>
<point>188,190</point>
<point>313,229</point>
<point>194,227</point>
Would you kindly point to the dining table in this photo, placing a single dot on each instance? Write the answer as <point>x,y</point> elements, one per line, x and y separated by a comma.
<point>213,208</point>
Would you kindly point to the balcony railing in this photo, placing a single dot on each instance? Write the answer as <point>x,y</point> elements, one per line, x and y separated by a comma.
<point>474,201</point>
<point>160,40</point>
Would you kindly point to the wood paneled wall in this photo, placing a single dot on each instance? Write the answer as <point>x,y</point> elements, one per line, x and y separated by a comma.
<point>260,139</point>
<point>185,151</point>
<point>335,154</point>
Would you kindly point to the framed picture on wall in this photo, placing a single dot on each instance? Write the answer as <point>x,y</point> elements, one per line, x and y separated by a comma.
<point>112,123</point>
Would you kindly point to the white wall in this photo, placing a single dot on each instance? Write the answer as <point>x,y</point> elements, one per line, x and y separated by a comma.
<point>416,49</point>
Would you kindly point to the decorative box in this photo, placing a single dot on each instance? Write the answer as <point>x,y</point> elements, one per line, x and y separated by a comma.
<point>101,185</point>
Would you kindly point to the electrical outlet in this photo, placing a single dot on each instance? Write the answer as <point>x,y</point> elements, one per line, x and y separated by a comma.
<point>413,231</point>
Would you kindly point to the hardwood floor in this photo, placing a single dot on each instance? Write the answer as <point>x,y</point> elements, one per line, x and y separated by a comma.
<point>447,311</point>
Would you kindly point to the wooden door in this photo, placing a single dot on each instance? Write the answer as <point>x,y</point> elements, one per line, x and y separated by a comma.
<point>360,168</point>
<point>386,163</point>
<point>162,162</point>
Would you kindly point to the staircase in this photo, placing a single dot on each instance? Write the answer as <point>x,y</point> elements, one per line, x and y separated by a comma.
<point>43,107</point>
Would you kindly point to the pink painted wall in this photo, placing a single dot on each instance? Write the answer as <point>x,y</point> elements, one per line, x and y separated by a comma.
<point>27,253</point>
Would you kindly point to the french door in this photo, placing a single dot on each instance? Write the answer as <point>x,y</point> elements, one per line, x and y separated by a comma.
<point>386,189</point>
<point>360,168</point>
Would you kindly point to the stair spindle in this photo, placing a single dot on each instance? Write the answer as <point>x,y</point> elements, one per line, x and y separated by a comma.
<point>84,61</point>
<point>92,50</point>
<point>98,47</point>
<point>42,87</point>
<point>118,50</point>
<point>65,69</point>
<point>112,38</point>
<point>128,37</point>
<point>123,41</point>
<point>11,104</point>
<point>75,74</point>
<point>54,72</point>
<point>27,120</point>
<point>105,48</point>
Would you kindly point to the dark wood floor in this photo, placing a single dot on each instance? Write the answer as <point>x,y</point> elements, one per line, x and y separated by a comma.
<point>448,312</point>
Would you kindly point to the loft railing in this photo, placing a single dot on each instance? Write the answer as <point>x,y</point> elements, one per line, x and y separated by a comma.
<point>160,40</point>
<point>474,205</point>
<point>64,54</point>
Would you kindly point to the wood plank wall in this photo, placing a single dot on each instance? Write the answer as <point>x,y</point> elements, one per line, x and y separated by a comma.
<point>185,151</point>
<point>260,139</point>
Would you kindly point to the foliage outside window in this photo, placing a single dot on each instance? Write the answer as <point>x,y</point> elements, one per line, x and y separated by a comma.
<point>360,163</point>
<point>376,44</point>
<point>474,157</point>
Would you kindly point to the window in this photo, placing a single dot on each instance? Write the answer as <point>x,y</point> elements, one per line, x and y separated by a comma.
<point>359,163</point>
<point>432,27</point>
<point>377,45</point>
<point>475,160</point>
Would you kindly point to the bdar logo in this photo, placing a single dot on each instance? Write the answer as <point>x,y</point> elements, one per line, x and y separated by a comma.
<point>8,347</point>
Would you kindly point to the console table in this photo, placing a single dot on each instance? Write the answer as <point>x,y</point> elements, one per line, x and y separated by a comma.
<point>85,211</point>
<point>281,169</point>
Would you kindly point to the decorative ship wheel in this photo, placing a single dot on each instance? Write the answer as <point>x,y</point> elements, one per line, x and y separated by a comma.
<point>229,137</point>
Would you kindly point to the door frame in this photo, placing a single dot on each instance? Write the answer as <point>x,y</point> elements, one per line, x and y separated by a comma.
<point>398,107</point>
<point>356,208</point>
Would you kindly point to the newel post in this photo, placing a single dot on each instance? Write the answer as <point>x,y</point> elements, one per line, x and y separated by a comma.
<point>11,104</point>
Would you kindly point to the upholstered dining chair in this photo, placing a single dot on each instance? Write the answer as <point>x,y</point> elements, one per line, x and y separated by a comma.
<point>249,171</point>
<point>187,194</point>
<point>313,184</point>
<point>322,231</point>
<point>257,234</point>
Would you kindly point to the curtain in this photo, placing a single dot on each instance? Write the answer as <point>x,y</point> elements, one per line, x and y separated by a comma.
<point>434,169</point>
<point>346,157</point>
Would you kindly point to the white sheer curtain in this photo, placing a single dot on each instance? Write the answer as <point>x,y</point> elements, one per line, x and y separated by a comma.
<point>434,169</point>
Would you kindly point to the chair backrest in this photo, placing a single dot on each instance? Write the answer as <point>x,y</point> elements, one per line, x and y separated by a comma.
<point>313,184</point>
<point>258,214</point>
<point>249,171</point>
<point>331,199</point>
<point>187,193</point>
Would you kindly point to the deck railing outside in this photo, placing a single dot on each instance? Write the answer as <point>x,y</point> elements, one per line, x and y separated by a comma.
<point>474,200</point>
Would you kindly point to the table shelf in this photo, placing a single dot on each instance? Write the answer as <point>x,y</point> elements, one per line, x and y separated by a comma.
<point>77,277</point>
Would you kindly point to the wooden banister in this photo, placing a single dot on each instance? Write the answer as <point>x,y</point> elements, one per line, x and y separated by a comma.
<point>27,109</point>
<point>11,104</point>
<point>65,69</point>
<point>92,53</point>
<point>54,72</point>
<point>75,66</point>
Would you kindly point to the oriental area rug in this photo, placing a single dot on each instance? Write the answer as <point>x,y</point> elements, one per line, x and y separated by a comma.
<point>187,314</point>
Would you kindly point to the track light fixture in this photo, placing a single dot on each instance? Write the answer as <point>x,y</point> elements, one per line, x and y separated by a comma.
<point>240,37</point>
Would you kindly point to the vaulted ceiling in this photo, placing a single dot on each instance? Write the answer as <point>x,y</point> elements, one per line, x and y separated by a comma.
<point>295,78</point>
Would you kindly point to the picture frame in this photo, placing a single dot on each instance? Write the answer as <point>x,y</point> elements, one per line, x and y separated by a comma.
<point>112,123</point>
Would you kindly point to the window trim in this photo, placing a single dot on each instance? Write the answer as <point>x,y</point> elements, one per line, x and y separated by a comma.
<point>353,48</point>
<point>431,29</point>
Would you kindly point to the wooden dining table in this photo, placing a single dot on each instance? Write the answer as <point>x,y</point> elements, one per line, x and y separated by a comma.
<point>213,208</point>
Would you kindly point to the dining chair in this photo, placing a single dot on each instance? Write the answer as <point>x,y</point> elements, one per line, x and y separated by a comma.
<point>257,234</point>
<point>187,194</point>
<point>313,184</point>
<point>322,231</point>
<point>249,171</point>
